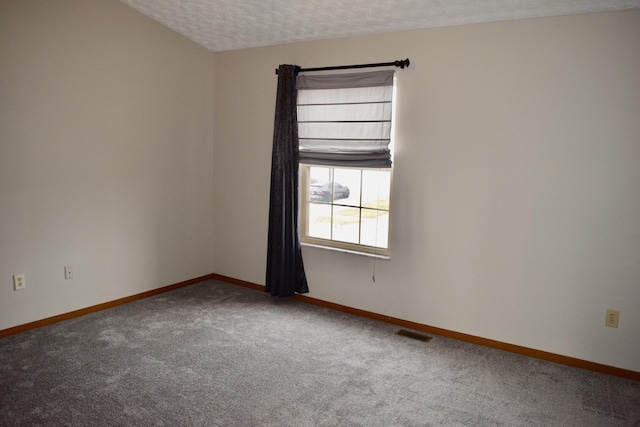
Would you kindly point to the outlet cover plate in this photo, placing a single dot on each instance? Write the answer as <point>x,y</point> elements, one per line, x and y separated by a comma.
<point>612,318</point>
<point>19,282</point>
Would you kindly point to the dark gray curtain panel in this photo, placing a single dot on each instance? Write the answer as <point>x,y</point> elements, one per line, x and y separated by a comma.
<point>285,269</point>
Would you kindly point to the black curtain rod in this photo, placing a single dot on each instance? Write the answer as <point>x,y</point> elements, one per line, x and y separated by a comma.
<point>400,63</point>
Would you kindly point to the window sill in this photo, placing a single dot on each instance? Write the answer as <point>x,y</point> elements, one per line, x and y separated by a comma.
<point>311,245</point>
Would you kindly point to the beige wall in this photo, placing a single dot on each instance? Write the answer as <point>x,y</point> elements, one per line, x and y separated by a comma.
<point>516,193</point>
<point>106,145</point>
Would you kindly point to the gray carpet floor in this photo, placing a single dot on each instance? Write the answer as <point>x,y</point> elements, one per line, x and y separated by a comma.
<point>215,354</point>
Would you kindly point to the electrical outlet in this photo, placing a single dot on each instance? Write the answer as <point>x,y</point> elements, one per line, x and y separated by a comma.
<point>612,318</point>
<point>68,272</point>
<point>18,282</point>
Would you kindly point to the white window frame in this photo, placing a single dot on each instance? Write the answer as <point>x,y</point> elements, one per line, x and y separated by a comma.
<point>356,248</point>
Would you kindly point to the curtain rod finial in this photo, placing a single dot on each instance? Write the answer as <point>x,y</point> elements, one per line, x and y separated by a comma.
<point>402,64</point>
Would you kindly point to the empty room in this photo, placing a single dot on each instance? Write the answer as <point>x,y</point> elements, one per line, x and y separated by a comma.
<point>340,213</point>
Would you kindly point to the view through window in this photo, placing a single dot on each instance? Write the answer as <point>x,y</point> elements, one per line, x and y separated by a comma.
<point>348,206</point>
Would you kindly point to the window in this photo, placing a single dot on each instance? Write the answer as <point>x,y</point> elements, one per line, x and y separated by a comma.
<point>344,127</point>
<point>347,208</point>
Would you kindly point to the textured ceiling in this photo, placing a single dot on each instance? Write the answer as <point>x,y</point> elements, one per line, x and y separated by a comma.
<point>222,25</point>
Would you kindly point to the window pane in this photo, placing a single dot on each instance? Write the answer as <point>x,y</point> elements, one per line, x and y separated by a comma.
<point>319,222</point>
<point>376,189</point>
<point>319,174</point>
<point>347,185</point>
<point>346,224</point>
<point>375,228</point>
<point>320,184</point>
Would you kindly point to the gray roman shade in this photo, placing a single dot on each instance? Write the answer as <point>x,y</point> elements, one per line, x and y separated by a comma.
<point>345,119</point>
